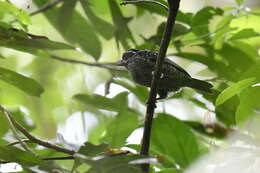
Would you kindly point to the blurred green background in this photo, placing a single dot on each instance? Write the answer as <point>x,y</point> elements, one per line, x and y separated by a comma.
<point>216,41</point>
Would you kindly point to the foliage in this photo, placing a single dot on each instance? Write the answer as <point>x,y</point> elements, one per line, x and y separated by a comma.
<point>223,41</point>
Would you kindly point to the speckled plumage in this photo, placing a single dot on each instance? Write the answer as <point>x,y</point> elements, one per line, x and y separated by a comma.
<point>141,65</point>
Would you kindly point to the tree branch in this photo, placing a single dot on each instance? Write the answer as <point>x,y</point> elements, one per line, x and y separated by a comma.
<point>59,158</point>
<point>17,142</point>
<point>144,1</point>
<point>108,66</point>
<point>46,6</point>
<point>35,139</point>
<point>173,10</point>
<point>13,129</point>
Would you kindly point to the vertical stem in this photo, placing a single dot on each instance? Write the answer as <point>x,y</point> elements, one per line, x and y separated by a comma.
<point>173,10</point>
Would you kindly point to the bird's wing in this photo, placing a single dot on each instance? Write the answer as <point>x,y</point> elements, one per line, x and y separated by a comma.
<point>153,55</point>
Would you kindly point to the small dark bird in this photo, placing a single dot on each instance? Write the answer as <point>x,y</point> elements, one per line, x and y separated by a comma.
<point>141,65</point>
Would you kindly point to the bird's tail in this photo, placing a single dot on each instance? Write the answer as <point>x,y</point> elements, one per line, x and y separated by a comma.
<point>200,85</point>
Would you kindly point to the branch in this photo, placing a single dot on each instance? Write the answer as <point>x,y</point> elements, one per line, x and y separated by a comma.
<point>13,129</point>
<point>17,142</point>
<point>46,6</point>
<point>101,65</point>
<point>144,1</point>
<point>173,10</point>
<point>59,158</point>
<point>36,140</point>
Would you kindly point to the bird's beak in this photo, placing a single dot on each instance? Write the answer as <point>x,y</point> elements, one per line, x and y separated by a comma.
<point>121,63</point>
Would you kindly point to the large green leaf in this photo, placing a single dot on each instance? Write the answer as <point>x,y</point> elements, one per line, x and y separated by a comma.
<point>203,16</point>
<point>66,12</point>
<point>103,27</point>
<point>25,84</point>
<point>120,128</point>
<point>13,154</point>
<point>77,31</point>
<point>174,140</point>
<point>88,149</point>
<point>140,92</point>
<point>102,102</point>
<point>249,104</point>
<point>245,34</point>
<point>115,164</point>
<point>20,40</point>
<point>7,9</point>
<point>233,90</point>
<point>122,32</point>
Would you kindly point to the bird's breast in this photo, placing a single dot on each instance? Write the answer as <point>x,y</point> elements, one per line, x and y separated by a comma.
<point>141,72</point>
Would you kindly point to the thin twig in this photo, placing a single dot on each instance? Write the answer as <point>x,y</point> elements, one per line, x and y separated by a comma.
<point>46,6</point>
<point>13,129</point>
<point>145,1</point>
<point>173,10</point>
<point>59,158</point>
<point>17,142</point>
<point>39,141</point>
<point>101,65</point>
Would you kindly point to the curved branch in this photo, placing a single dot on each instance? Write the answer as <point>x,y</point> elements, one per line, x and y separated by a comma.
<point>13,129</point>
<point>173,10</point>
<point>36,140</point>
<point>144,1</point>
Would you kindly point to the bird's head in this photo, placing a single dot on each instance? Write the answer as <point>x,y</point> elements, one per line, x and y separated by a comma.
<point>127,56</point>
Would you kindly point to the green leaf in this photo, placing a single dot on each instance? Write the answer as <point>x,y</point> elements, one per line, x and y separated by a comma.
<point>102,102</point>
<point>7,9</point>
<point>20,40</point>
<point>245,34</point>
<point>203,16</point>
<point>25,84</point>
<point>170,170</point>
<point>122,32</point>
<point>103,27</point>
<point>115,164</point>
<point>233,90</point>
<point>78,31</point>
<point>120,128</point>
<point>239,2</point>
<point>184,17</point>
<point>13,154</point>
<point>174,140</point>
<point>66,12</point>
<point>246,48</point>
<point>91,150</point>
<point>140,92</point>
<point>249,104</point>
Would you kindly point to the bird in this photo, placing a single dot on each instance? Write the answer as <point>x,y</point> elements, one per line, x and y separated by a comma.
<point>141,66</point>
